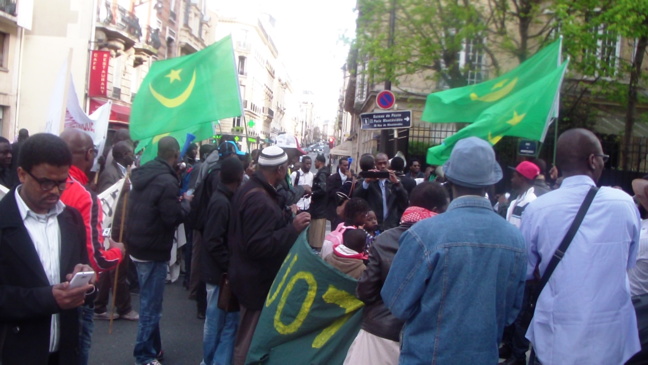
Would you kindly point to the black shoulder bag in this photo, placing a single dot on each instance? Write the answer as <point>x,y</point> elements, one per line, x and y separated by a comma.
<point>560,251</point>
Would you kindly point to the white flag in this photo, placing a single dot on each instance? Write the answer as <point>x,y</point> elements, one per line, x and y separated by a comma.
<point>3,191</point>
<point>109,198</point>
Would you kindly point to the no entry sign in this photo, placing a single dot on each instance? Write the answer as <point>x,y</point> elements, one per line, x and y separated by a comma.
<point>385,99</point>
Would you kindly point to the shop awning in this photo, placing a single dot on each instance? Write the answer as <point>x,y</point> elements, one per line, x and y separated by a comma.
<point>118,112</point>
<point>344,149</point>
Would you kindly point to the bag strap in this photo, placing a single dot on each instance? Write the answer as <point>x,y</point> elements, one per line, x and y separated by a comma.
<point>560,251</point>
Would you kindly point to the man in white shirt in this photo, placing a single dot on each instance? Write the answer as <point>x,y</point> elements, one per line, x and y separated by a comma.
<point>638,275</point>
<point>303,177</point>
<point>42,244</point>
<point>522,181</point>
<point>584,314</point>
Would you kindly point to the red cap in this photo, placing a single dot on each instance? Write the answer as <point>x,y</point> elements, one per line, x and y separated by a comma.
<point>528,170</point>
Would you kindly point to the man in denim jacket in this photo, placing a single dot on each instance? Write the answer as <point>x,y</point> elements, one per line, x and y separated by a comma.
<point>458,279</point>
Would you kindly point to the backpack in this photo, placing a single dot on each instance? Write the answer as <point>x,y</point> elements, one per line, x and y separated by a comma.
<point>333,239</point>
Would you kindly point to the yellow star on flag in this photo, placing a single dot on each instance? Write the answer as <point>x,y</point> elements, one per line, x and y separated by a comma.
<point>516,118</point>
<point>174,75</point>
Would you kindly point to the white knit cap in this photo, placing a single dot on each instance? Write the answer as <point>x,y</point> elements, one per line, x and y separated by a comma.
<point>272,156</point>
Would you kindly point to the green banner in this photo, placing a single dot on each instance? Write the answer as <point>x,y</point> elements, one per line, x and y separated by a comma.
<point>525,115</point>
<point>182,93</point>
<point>465,104</point>
<point>311,315</point>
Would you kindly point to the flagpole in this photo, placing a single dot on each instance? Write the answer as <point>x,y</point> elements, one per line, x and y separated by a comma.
<point>121,239</point>
<point>66,88</point>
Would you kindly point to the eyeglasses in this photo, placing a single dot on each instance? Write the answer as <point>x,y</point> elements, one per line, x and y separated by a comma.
<point>47,184</point>
<point>603,156</point>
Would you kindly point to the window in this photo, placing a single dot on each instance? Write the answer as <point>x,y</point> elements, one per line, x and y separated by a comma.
<point>471,58</point>
<point>4,49</point>
<point>607,52</point>
<point>2,109</point>
<point>236,122</point>
<point>241,65</point>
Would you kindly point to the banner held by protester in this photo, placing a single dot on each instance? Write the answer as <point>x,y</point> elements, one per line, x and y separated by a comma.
<point>311,314</point>
<point>109,198</point>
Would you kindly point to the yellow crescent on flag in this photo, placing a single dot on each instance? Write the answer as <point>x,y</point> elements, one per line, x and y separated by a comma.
<point>496,95</point>
<point>517,118</point>
<point>177,101</point>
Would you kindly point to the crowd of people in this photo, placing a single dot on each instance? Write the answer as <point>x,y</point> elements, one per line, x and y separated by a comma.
<point>449,271</point>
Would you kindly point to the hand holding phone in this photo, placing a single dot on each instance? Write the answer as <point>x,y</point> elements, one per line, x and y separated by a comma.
<point>80,279</point>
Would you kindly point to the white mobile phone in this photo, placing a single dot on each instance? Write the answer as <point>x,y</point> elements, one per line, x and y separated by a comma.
<point>81,278</point>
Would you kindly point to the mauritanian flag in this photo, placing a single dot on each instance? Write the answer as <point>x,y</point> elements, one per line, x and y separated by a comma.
<point>524,114</point>
<point>186,94</point>
<point>465,104</point>
<point>311,315</point>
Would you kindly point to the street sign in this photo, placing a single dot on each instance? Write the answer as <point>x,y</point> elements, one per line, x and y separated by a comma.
<point>385,99</point>
<point>387,120</point>
<point>527,147</point>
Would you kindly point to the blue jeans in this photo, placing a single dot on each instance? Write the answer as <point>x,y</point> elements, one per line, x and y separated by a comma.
<point>86,327</point>
<point>220,331</point>
<point>152,277</point>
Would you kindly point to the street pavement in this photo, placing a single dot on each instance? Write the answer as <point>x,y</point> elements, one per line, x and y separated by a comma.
<point>181,333</point>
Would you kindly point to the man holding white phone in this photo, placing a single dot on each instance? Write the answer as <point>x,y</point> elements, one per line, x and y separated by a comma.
<point>42,245</point>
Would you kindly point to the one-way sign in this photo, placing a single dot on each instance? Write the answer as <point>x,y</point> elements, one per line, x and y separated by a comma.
<point>387,120</point>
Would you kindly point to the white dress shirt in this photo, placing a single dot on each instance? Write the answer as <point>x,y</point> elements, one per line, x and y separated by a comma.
<point>638,275</point>
<point>44,232</point>
<point>304,179</point>
<point>584,314</point>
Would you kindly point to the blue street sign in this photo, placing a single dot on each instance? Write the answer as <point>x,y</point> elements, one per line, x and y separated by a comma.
<point>386,120</point>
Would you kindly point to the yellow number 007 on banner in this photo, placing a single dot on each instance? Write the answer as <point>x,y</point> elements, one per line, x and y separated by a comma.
<point>332,295</point>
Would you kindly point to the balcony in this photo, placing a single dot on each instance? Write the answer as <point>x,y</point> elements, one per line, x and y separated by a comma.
<point>121,28</point>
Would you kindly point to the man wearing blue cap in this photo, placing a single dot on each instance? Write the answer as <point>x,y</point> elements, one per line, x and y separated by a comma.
<point>458,278</point>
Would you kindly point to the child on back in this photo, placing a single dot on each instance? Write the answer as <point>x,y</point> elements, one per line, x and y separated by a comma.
<point>349,256</point>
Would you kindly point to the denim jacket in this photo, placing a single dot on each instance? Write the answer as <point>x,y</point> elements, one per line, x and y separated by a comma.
<point>457,280</point>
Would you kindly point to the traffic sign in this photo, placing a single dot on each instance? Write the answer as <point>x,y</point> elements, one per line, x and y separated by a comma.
<point>385,99</point>
<point>386,120</point>
<point>527,147</point>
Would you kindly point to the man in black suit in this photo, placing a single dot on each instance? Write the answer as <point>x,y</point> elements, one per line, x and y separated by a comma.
<point>42,244</point>
<point>386,197</point>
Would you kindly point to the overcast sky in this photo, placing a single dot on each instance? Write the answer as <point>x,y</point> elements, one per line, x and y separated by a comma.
<point>309,36</point>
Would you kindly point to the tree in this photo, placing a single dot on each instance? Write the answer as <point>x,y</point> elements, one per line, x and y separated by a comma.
<point>447,43</point>
<point>592,29</point>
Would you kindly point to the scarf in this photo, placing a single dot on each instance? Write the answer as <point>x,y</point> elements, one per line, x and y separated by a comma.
<point>341,250</point>
<point>415,214</point>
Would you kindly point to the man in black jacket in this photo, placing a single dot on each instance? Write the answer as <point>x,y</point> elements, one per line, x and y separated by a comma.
<point>220,326</point>
<point>386,197</point>
<point>318,206</point>
<point>379,326</point>
<point>261,233</point>
<point>154,213</point>
<point>334,184</point>
<point>42,243</point>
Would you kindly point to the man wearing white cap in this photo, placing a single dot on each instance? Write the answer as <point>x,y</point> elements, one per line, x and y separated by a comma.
<point>458,278</point>
<point>262,231</point>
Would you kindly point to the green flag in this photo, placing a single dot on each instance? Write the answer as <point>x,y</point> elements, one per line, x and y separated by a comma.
<point>149,145</point>
<point>311,314</point>
<point>523,114</point>
<point>184,92</point>
<point>465,104</point>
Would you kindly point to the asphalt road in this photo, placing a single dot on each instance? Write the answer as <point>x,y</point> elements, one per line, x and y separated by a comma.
<point>181,333</point>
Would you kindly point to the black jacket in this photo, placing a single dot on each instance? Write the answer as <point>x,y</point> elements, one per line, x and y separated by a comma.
<point>214,259</point>
<point>26,299</point>
<point>260,235</point>
<point>397,201</point>
<point>319,198</point>
<point>154,211</point>
<point>333,185</point>
<point>376,318</point>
